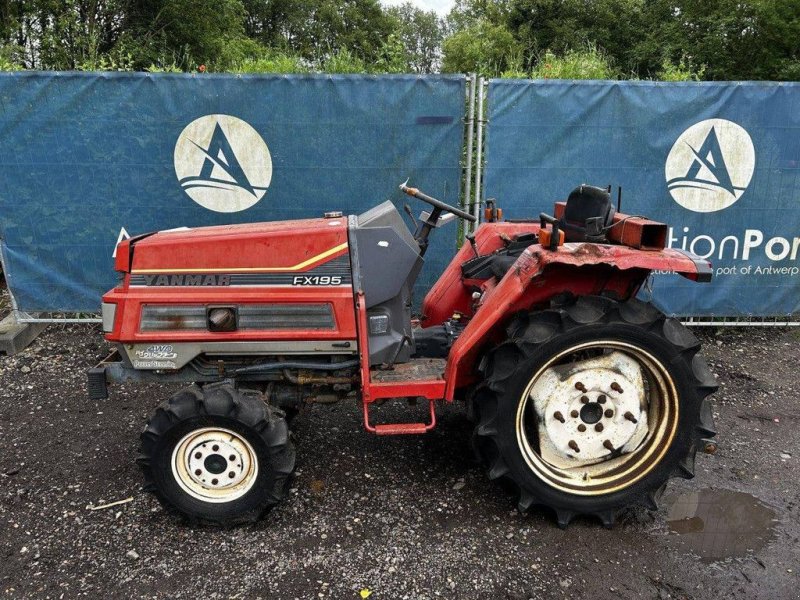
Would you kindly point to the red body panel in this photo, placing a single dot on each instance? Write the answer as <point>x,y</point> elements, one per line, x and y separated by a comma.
<point>238,248</point>
<point>540,274</point>
<point>289,247</point>
<point>450,294</point>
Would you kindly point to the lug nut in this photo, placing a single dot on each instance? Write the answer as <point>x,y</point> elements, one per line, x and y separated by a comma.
<point>598,427</point>
<point>214,481</point>
<point>581,427</point>
<point>198,472</point>
<point>608,446</point>
<point>617,387</point>
<point>628,415</point>
<point>584,399</point>
<point>557,415</point>
<point>232,458</point>
<point>572,444</point>
<point>574,414</point>
<point>601,398</point>
<point>580,387</point>
<point>710,448</point>
<point>231,474</point>
<point>609,413</point>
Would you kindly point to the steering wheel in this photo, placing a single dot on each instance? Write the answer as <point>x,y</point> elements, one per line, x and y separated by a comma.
<point>437,203</point>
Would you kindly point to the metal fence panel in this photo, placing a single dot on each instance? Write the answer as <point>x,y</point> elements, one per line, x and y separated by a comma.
<point>84,155</point>
<point>719,162</point>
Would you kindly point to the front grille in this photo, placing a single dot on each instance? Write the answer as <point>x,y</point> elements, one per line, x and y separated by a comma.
<point>166,317</point>
<point>286,316</point>
<point>169,317</point>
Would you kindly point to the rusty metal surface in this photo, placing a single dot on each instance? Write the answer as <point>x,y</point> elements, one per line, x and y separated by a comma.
<point>416,370</point>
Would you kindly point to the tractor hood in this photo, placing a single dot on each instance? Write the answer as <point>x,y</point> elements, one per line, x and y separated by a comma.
<point>282,246</point>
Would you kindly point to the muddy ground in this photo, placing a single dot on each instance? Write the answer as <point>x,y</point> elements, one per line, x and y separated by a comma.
<point>408,517</point>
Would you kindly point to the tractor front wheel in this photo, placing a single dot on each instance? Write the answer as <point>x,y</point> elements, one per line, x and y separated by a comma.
<point>592,406</point>
<point>217,455</point>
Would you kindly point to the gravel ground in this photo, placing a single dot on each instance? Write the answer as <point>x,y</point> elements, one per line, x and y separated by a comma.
<point>408,517</point>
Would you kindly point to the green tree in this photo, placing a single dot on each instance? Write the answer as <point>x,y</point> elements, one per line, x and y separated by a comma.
<point>466,13</point>
<point>481,48</point>
<point>319,29</point>
<point>420,34</point>
<point>569,25</point>
<point>185,32</point>
<point>738,40</point>
<point>59,34</point>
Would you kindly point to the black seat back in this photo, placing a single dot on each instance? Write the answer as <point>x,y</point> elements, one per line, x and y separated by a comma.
<point>588,212</point>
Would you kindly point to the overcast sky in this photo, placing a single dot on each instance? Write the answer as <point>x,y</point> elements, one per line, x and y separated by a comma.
<point>440,6</point>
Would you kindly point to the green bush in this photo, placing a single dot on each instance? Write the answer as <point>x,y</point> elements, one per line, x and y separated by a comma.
<point>588,63</point>
<point>682,71</point>
<point>343,61</point>
<point>164,68</point>
<point>482,48</point>
<point>278,63</point>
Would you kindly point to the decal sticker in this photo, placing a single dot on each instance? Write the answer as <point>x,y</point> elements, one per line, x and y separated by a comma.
<point>190,280</point>
<point>710,165</point>
<point>317,280</point>
<point>157,352</point>
<point>222,163</point>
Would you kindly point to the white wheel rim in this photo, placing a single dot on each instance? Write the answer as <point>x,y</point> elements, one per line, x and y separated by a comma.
<point>639,443</point>
<point>214,465</point>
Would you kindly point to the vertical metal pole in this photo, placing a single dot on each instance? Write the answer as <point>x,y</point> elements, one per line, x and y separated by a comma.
<point>15,314</point>
<point>470,142</point>
<point>476,204</point>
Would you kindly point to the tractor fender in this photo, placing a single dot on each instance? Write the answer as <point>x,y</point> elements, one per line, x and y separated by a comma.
<point>540,274</point>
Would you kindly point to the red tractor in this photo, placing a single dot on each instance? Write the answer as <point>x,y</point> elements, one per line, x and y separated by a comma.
<point>584,397</point>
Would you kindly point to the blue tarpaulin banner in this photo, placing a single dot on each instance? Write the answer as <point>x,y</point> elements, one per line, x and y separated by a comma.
<point>84,156</point>
<point>718,162</point>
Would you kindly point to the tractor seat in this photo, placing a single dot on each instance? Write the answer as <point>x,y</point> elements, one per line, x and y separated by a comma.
<point>588,212</point>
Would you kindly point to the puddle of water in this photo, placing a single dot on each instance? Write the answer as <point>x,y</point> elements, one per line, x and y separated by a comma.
<point>719,524</point>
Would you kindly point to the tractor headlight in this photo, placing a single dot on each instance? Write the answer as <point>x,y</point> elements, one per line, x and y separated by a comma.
<point>109,310</point>
<point>221,318</point>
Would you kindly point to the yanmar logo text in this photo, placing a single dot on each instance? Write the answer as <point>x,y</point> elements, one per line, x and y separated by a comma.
<point>175,280</point>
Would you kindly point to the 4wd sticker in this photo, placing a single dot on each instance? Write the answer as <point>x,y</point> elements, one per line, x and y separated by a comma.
<point>159,356</point>
<point>158,352</point>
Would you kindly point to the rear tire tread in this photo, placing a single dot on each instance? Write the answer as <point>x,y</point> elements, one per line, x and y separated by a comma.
<point>528,331</point>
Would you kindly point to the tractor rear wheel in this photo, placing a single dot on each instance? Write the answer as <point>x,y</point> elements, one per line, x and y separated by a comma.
<point>592,406</point>
<point>217,455</point>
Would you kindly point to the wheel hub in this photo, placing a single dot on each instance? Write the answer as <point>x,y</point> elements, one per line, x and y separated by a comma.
<point>591,413</point>
<point>214,465</point>
<point>590,410</point>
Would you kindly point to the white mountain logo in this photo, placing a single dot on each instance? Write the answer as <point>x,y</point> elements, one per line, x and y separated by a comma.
<point>222,163</point>
<point>710,165</point>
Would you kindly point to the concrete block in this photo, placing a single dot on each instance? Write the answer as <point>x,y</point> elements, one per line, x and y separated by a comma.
<point>15,337</point>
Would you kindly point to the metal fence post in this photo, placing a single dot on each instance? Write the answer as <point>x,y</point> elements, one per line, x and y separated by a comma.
<point>470,142</point>
<point>476,204</point>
